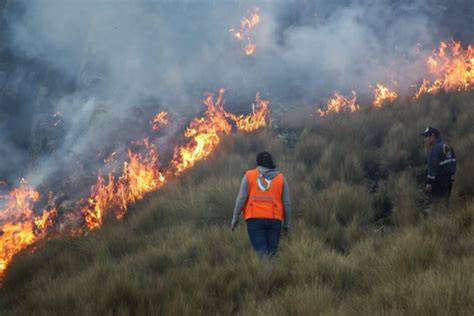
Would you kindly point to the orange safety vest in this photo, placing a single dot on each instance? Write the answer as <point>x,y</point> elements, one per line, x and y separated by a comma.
<point>264,196</point>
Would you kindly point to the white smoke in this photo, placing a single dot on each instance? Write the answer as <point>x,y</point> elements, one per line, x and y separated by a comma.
<point>126,60</point>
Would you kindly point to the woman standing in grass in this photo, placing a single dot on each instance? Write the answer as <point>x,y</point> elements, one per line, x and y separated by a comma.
<point>264,201</point>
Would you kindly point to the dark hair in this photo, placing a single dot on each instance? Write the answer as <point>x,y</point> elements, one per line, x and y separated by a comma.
<point>264,159</point>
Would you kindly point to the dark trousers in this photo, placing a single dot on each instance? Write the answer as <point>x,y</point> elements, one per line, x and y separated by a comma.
<point>264,235</point>
<point>442,186</point>
<point>441,190</point>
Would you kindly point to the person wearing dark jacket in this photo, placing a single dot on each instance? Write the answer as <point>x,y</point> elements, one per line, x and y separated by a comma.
<point>441,166</point>
<point>264,203</point>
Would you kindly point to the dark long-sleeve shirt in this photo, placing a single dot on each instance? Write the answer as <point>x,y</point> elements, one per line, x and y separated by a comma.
<point>441,161</point>
<point>243,195</point>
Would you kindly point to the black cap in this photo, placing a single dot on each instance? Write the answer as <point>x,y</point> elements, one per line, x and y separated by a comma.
<point>430,131</point>
<point>264,159</point>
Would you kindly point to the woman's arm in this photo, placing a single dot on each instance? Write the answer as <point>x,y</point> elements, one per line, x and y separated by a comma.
<point>240,201</point>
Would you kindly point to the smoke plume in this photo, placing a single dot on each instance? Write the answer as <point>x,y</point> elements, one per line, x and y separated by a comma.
<point>79,79</point>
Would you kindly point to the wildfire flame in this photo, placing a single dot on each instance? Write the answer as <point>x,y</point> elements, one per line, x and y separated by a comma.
<point>339,103</point>
<point>257,119</point>
<point>451,66</point>
<point>18,225</point>
<point>243,34</point>
<point>204,133</point>
<point>453,69</point>
<point>112,194</point>
<point>383,94</point>
<point>250,48</point>
<point>161,119</point>
<point>140,175</point>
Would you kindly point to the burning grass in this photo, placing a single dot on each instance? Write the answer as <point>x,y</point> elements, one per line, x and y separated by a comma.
<point>243,34</point>
<point>383,94</point>
<point>339,103</point>
<point>360,242</point>
<point>141,174</point>
<point>452,67</point>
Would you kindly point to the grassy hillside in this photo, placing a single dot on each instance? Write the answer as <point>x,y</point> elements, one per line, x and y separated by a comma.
<point>359,242</point>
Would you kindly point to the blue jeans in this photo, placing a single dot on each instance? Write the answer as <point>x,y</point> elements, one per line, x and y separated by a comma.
<point>264,235</point>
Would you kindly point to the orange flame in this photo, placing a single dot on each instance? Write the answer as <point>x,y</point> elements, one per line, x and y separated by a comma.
<point>453,68</point>
<point>383,94</point>
<point>257,119</point>
<point>45,221</point>
<point>204,133</point>
<point>111,195</point>
<point>249,22</point>
<point>140,175</point>
<point>339,103</point>
<point>18,226</point>
<point>243,34</point>
<point>250,48</point>
<point>161,119</point>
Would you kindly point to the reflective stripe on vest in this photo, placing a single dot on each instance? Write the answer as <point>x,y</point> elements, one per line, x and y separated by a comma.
<point>443,162</point>
<point>264,196</point>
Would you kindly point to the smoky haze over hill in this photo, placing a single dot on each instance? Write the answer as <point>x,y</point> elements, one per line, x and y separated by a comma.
<point>108,66</point>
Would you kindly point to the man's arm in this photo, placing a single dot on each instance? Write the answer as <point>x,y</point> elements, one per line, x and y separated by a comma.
<point>240,201</point>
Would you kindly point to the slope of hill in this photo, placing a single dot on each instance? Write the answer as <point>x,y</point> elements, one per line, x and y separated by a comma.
<point>360,242</point>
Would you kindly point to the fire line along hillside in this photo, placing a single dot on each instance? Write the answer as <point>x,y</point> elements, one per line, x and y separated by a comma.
<point>360,241</point>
